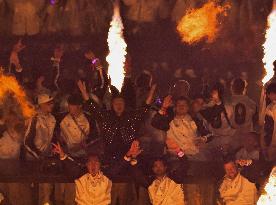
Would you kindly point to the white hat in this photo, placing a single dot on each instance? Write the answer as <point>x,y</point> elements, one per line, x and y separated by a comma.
<point>44,98</point>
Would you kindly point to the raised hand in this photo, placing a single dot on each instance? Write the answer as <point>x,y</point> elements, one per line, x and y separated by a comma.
<point>83,90</point>
<point>58,53</point>
<point>167,102</point>
<point>134,150</point>
<point>89,55</point>
<point>19,46</point>
<point>151,94</point>
<point>57,149</point>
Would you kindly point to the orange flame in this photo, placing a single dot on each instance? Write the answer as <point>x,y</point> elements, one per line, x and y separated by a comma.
<point>8,84</point>
<point>202,23</point>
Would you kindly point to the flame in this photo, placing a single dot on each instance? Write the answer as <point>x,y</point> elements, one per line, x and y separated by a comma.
<point>269,198</point>
<point>117,49</point>
<point>9,85</point>
<point>270,45</point>
<point>201,23</point>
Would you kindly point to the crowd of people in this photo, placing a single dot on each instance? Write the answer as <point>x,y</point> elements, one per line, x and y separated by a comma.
<point>129,129</point>
<point>155,130</point>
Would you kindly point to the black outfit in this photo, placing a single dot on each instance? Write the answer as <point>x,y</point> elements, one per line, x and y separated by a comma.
<point>118,132</point>
<point>213,115</point>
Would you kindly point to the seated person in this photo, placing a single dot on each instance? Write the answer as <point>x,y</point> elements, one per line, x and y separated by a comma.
<point>162,189</point>
<point>93,186</point>
<point>236,189</point>
<point>250,149</point>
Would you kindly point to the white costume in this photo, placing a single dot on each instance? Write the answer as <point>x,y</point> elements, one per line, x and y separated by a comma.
<point>166,192</point>
<point>184,133</point>
<point>238,191</point>
<point>93,190</point>
<point>38,139</point>
<point>73,135</point>
<point>44,130</point>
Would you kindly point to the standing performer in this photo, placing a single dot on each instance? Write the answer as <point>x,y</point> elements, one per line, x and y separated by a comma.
<point>119,129</point>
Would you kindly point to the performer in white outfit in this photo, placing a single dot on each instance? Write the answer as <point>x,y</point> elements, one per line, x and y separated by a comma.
<point>236,189</point>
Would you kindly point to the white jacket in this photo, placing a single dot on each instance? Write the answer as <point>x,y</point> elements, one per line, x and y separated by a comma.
<point>72,135</point>
<point>184,133</point>
<point>166,192</point>
<point>93,190</point>
<point>238,191</point>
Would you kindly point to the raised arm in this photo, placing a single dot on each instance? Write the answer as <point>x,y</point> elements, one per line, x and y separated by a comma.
<point>93,108</point>
<point>162,119</point>
<point>102,81</point>
<point>128,91</point>
<point>140,113</point>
